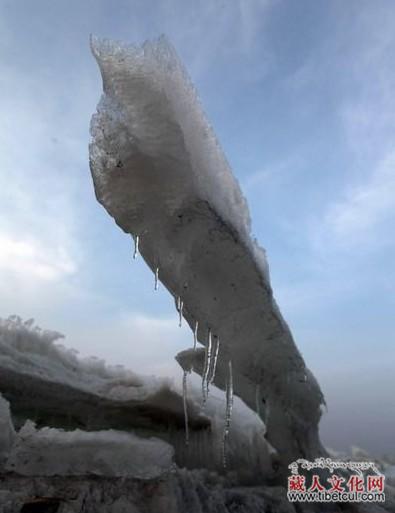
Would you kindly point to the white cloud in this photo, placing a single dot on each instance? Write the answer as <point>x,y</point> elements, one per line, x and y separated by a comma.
<point>360,216</point>
<point>354,219</point>
<point>29,259</point>
<point>43,168</point>
<point>212,34</point>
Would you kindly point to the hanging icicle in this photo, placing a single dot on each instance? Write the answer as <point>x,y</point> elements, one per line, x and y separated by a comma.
<point>156,278</point>
<point>185,399</point>
<point>215,359</point>
<point>228,412</point>
<point>180,307</point>
<point>136,239</point>
<point>207,367</point>
<point>195,331</point>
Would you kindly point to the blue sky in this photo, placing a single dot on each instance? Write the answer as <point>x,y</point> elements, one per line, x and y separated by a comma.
<point>302,97</point>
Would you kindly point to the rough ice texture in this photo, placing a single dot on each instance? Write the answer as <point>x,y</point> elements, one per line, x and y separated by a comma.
<point>159,171</point>
<point>54,452</point>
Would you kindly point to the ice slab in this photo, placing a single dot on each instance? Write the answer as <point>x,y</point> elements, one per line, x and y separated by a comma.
<point>160,172</point>
<point>54,452</point>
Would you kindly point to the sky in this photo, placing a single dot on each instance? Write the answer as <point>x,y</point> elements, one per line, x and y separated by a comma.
<point>302,97</point>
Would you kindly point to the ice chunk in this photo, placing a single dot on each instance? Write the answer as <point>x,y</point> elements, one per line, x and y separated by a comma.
<point>49,452</point>
<point>175,185</point>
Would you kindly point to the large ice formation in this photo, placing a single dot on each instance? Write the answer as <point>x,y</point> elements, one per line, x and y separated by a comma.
<point>159,171</point>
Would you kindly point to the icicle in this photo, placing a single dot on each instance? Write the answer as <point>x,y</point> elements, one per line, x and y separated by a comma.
<point>258,400</point>
<point>228,411</point>
<point>136,246</point>
<point>214,366</point>
<point>180,307</point>
<point>194,343</point>
<point>156,278</point>
<point>204,397</point>
<point>209,353</point>
<point>207,367</point>
<point>195,331</point>
<point>184,398</point>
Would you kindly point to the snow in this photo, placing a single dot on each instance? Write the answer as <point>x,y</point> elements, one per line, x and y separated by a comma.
<point>50,452</point>
<point>160,172</point>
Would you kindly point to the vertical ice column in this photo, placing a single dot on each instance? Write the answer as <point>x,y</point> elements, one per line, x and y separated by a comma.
<point>185,403</point>
<point>228,412</point>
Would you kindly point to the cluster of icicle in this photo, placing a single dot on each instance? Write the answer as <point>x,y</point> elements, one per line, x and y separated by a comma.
<point>210,365</point>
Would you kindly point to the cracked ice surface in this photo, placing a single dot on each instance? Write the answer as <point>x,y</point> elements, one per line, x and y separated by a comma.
<point>160,172</point>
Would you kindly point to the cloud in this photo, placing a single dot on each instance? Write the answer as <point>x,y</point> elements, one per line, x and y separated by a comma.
<point>355,219</point>
<point>43,175</point>
<point>217,36</point>
<point>29,259</point>
<point>357,213</point>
